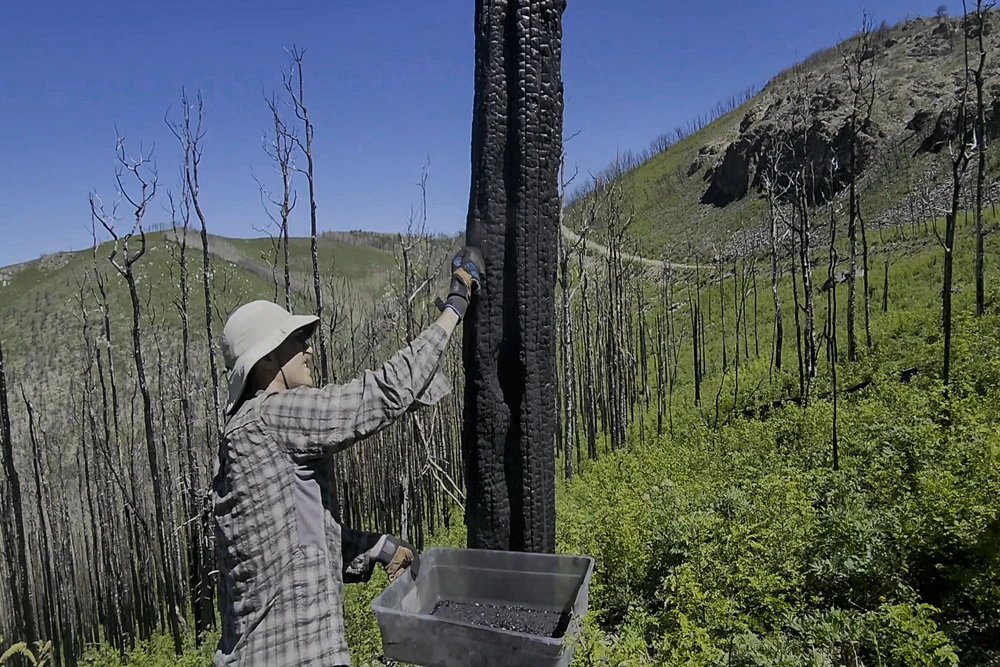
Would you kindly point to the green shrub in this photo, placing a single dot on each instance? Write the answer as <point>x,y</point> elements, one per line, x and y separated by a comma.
<point>40,656</point>
<point>742,546</point>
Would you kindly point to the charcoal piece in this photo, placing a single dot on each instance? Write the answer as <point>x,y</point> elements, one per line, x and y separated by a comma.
<point>504,617</point>
<point>509,345</point>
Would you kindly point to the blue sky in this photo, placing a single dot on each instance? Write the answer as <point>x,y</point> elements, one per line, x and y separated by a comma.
<point>389,85</point>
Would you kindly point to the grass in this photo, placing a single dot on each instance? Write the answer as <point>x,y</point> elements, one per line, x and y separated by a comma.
<point>351,261</point>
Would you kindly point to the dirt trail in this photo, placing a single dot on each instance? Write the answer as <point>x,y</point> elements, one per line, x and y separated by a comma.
<point>218,247</point>
<point>602,250</point>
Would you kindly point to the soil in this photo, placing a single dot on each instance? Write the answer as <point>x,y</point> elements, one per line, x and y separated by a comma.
<point>504,617</point>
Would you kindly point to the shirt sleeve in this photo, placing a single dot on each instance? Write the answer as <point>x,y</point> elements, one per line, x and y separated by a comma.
<point>312,422</point>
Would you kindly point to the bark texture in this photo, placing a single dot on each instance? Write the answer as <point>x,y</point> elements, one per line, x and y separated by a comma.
<point>14,535</point>
<point>509,352</point>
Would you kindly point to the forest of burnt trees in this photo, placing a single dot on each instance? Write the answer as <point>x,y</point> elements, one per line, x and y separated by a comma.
<point>109,534</point>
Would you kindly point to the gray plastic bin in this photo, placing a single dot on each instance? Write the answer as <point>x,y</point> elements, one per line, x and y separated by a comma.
<point>553,583</point>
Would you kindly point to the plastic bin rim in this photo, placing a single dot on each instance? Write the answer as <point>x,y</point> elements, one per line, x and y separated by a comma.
<point>588,571</point>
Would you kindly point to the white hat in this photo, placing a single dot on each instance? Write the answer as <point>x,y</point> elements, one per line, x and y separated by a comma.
<point>253,331</point>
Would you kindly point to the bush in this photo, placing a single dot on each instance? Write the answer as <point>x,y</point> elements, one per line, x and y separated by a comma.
<point>742,546</point>
<point>158,651</point>
<point>40,656</point>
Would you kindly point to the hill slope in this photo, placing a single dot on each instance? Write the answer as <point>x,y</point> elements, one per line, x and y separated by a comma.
<point>702,195</point>
<point>40,301</point>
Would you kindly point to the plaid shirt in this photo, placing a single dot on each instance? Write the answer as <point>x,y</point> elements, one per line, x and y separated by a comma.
<point>282,556</point>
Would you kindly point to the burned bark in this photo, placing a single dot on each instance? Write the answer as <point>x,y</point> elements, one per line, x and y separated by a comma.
<point>959,163</point>
<point>48,607</point>
<point>14,544</point>
<point>509,352</point>
<point>981,8</point>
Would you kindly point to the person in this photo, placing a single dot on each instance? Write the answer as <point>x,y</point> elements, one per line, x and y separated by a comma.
<point>282,556</point>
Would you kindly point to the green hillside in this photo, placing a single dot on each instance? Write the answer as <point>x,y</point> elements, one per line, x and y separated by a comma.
<point>40,308</point>
<point>775,519</point>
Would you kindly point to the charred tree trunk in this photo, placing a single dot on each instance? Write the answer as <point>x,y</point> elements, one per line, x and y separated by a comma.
<point>190,138</point>
<point>797,307</point>
<point>14,543</point>
<point>885,288</point>
<point>722,314</point>
<point>959,163</point>
<point>805,258</point>
<point>756,335</point>
<point>569,379</point>
<point>589,391</point>
<point>773,235</point>
<point>296,91</point>
<point>832,328</point>
<point>864,281</point>
<point>981,169</point>
<point>198,580</point>
<point>102,619</point>
<point>49,608</point>
<point>509,352</point>
<point>146,191</point>
<point>696,348</point>
<point>159,500</point>
<point>852,256</point>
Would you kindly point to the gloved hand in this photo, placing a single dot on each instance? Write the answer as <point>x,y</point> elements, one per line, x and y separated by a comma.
<point>466,275</point>
<point>397,555</point>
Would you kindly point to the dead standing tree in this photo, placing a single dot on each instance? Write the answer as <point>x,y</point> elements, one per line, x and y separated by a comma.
<point>982,10</point>
<point>146,185</point>
<point>568,412</point>
<point>194,519</point>
<point>617,216</point>
<point>860,71</point>
<point>831,327</point>
<point>49,614</point>
<point>589,393</point>
<point>295,87</point>
<point>959,163</point>
<point>130,612</point>
<point>413,263</point>
<point>509,350</point>
<point>279,148</point>
<point>189,134</point>
<point>775,194</point>
<point>14,535</point>
<point>803,189</point>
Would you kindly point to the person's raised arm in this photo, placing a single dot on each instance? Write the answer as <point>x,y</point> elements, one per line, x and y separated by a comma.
<point>311,422</point>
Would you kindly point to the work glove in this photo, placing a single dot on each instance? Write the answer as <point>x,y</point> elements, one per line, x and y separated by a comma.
<point>397,555</point>
<point>466,275</point>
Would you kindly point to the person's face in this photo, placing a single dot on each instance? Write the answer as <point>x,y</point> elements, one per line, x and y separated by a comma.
<point>293,360</point>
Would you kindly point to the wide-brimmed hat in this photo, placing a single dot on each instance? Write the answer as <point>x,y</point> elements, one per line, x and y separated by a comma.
<point>252,331</point>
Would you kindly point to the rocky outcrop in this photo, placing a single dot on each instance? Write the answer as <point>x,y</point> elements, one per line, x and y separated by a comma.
<point>946,124</point>
<point>54,262</point>
<point>801,120</point>
<point>7,273</point>
<point>768,136</point>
